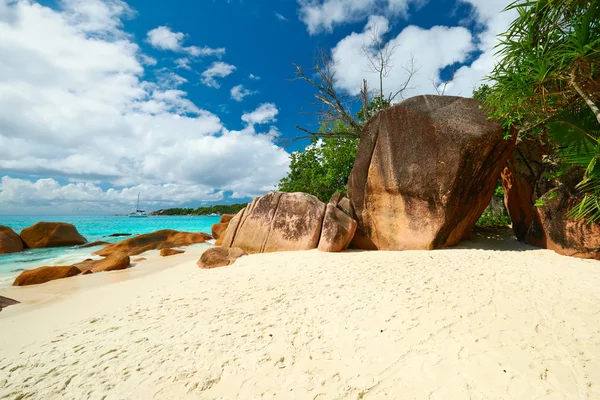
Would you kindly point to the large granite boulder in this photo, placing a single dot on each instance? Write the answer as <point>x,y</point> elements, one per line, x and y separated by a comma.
<point>337,231</point>
<point>218,230</point>
<point>164,239</point>
<point>523,181</point>
<point>552,229</point>
<point>45,274</point>
<point>51,234</point>
<point>10,242</point>
<point>425,171</point>
<point>277,222</point>
<point>216,257</point>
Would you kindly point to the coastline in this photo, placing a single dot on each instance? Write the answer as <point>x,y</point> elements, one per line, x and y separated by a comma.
<point>489,318</point>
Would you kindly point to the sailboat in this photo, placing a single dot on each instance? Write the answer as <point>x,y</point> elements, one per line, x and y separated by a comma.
<point>138,213</point>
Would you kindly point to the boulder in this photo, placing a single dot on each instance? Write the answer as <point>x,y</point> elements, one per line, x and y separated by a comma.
<point>114,262</point>
<point>219,229</point>
<point>337,231</point>
<point>10,242</point>
<point>164,239</point>
<point>277,222</point>
<point>51,234</point>
<point>5,302</point>
<point>523,182</point>
<point>425,171</point>
<point>226,218</point>
<point>139,259</point>
<point>45,274</point>
<point>552,229</point>
<point>170,252</point>
<point>94,244</point>
<point>219,257</point>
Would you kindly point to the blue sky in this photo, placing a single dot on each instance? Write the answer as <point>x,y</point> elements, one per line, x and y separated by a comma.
<point>181,100</point>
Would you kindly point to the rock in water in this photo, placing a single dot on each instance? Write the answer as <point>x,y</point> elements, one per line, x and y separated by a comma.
<point>170,252</point>
<point>425,170</point>
<point>219,257</point>
<point>164,239</point>
<point>44,274</point>
<point>51,234</point>
<point>94,244</point>
<point>337,231</point>
<point>10,242</point>
<point>552,229</point>
<point>277,222</point>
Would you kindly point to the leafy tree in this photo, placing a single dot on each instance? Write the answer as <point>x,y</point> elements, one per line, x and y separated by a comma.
<point>548,82</point>
<point>323,168</point>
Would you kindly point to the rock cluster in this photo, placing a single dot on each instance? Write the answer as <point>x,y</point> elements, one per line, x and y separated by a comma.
<point>42,234</point>
<point>287,222</point>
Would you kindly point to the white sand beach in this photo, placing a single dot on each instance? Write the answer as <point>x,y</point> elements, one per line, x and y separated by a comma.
<point>487,320</point>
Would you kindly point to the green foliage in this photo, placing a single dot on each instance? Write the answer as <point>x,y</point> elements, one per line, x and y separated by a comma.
<point>495,217</point>
<point>548,81</point>
<point>322,169</point>
<point>488,220</point>
<point>378,103</point>
<point>216,209</point>
<point>577,135</point>
<point>548,48</point>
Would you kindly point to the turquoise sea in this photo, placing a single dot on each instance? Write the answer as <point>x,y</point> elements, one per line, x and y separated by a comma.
<point>93,229</point>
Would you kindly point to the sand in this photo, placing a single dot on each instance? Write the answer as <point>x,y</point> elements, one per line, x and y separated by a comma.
<point>487,320</point>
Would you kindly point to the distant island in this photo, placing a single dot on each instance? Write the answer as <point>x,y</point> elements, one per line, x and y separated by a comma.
<point>217,209</point>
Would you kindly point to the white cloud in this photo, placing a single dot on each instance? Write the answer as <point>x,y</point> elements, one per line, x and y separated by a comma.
<point>488,14</point>
<point>49,196</point>
<point>74,105</point>
<point>280,17</point>
<point>217,69</point>
<point>433,49</point>
<point>238,92</point>
<point>324,15</point>
<point>183,63</point>
<point>163,38</point>
<point>263,114</point>
<point>254,77</point>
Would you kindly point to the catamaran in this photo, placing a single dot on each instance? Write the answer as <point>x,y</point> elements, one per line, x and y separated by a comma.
<point>138,213</point>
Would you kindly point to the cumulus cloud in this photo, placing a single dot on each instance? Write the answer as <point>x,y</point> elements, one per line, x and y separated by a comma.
<point>324,15</point>
<point>433,50</point>
<point>263,114</point>
<point>74,105</point>
<point>489,15</point>
<point>217,69</point>
<point>238,92</point>
<point>254,77</point>
<point>163,38</point>
<point>49,196</point>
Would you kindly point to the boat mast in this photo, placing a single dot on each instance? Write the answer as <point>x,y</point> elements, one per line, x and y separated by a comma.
<point>138,203</point>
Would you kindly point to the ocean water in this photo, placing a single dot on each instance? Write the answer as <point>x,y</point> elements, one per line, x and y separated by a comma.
<point>93,229</point>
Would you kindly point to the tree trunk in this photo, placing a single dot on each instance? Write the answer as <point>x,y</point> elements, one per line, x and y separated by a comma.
<point>588,100</point>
